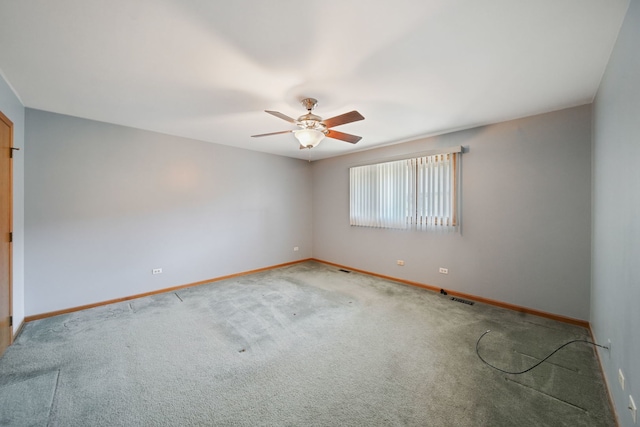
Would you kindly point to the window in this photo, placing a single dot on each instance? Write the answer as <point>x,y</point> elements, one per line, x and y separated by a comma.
<point>418,193</point>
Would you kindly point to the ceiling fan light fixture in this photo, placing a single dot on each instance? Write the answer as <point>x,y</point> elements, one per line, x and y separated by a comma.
<point>309,138</point>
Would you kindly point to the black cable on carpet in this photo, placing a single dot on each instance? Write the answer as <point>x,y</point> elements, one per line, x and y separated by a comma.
<point>537,364</point>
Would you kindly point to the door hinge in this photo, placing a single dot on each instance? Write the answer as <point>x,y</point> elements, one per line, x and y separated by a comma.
<point>11,237</point>
<point>10,320</point>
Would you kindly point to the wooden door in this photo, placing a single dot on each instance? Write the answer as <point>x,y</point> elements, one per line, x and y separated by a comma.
<point>6,199</point>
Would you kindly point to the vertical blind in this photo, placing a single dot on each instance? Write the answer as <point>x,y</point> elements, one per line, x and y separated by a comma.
<point>419,193</point>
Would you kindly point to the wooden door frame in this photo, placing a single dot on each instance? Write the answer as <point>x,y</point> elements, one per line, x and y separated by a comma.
<point>6,120</point>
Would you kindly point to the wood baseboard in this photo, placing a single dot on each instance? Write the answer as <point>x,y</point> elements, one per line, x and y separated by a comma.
<point>18,331</point>
<point>607,386</point>
<point>159,291</point>
<point>558,317</point>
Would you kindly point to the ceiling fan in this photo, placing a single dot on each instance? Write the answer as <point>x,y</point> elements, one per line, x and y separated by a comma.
<point>313,128</point>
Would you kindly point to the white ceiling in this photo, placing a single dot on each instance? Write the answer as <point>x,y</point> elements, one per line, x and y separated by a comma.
<point>207,69</point>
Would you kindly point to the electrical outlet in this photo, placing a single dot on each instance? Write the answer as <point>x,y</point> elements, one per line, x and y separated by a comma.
<point>295,248</point>
<point>400,262</point>
<point>444,270</point>
<point>621,378</point>
<point>156,271</point>
<point>633,409</point>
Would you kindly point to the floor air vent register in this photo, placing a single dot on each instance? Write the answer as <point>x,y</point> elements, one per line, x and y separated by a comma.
<point>463,301</point>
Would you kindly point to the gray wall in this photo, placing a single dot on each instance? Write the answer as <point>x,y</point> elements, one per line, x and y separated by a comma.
<point>12,107</point>
<point>615,307</point>
<point>526,222</point>
<point>106,204</point>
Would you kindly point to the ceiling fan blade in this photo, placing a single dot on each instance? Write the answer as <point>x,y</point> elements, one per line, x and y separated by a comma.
<point>352,116</point>
<point>272,133</point>
<point>280,115</point>
<point>343,136</point>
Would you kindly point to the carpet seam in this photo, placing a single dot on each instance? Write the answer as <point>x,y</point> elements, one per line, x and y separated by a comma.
<point>53,400</point>
<point>549,395</point>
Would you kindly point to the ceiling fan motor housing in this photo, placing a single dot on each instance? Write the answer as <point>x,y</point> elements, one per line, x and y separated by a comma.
<point>311,121</point>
